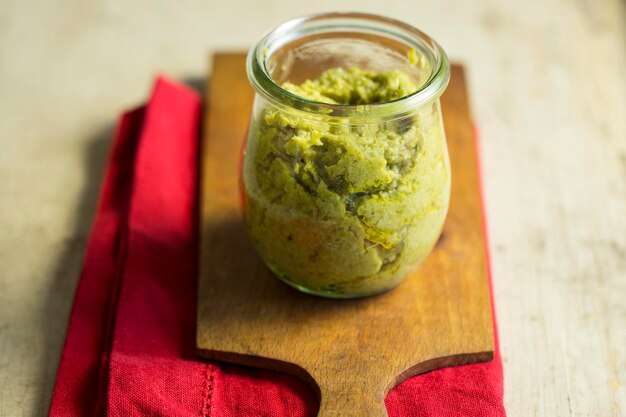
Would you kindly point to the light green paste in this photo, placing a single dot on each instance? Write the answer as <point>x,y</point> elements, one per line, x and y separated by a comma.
<point>343,209</point>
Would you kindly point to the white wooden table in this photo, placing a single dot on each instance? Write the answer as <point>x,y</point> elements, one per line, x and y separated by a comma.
<point>548,88</point>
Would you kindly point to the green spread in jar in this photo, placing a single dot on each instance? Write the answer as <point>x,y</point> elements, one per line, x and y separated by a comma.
<point>346,209</point>
<point>354,86</point>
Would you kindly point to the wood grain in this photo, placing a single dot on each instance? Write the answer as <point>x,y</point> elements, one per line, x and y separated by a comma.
<point>351,351</point>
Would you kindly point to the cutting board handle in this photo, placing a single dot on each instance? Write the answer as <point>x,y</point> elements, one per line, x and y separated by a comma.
<point>355,399</point>
<point>355,408</point>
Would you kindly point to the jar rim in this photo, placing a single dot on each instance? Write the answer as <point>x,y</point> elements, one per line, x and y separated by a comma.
<point>264,84</point>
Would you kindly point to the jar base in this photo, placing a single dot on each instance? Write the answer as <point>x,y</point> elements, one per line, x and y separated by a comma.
<point>329,292</point>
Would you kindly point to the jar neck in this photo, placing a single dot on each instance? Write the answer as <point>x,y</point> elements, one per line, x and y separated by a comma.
<point>383,30</point>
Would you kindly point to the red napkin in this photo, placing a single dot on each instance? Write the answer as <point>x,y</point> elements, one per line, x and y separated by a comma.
<point>130,343</point>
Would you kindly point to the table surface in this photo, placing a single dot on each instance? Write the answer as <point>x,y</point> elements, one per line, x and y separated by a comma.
<point>548,90</point>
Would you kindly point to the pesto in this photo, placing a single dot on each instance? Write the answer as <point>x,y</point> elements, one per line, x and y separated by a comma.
<point>344,209</point>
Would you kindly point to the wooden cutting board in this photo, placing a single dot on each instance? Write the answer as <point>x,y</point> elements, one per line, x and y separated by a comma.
<point>352,352</point>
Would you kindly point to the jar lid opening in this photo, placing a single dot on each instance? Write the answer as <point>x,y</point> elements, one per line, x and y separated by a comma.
<point>337,34</point>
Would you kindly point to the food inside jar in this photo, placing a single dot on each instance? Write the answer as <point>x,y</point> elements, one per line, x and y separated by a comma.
<point>341,207</point>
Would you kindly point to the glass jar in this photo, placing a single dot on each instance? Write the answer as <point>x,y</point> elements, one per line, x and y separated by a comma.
<point>345,200</point>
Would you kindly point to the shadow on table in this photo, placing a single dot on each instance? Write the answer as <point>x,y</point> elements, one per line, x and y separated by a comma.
<point>56,310</point>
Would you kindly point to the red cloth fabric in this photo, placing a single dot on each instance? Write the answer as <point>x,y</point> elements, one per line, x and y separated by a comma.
<point>130,343</point>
